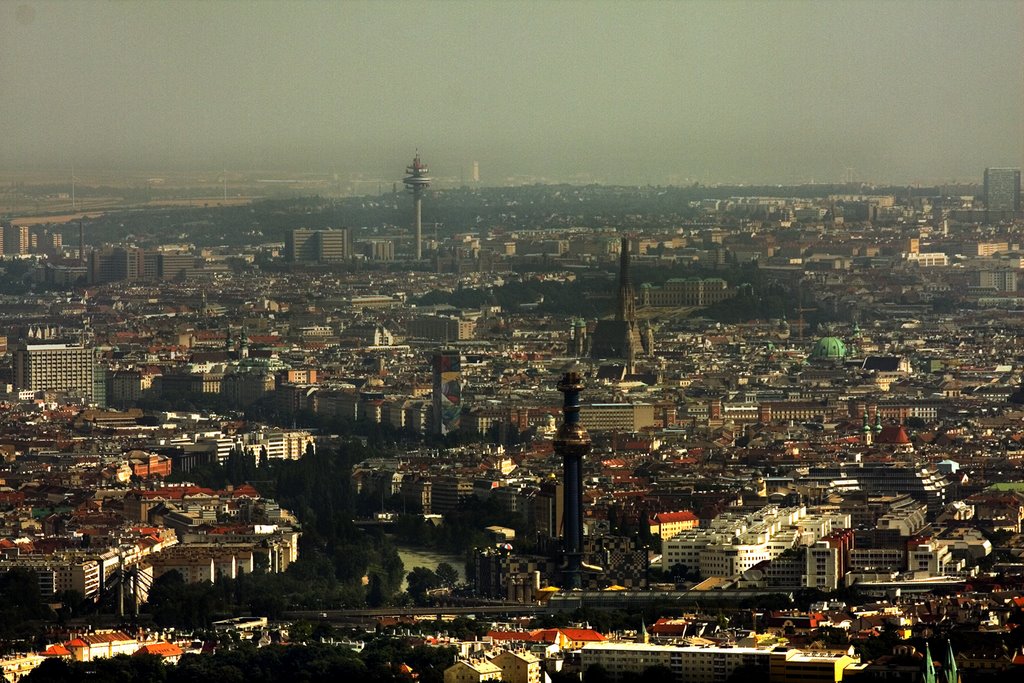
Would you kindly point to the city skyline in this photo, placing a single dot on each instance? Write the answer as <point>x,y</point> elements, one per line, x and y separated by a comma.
<point>660,93</point>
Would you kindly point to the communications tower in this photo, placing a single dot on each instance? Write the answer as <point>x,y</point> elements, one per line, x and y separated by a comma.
<point>417,179</point>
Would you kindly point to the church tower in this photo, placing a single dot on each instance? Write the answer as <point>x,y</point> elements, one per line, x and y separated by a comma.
<point>620,338</point>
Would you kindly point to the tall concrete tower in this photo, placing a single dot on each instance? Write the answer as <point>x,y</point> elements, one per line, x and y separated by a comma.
<point>417,179</point>
<point>572,442</point>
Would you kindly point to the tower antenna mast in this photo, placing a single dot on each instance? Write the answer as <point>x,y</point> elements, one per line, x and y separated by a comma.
<point>417,179</point>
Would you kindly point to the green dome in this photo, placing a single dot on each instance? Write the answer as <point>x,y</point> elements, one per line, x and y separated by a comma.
<point>829,348</point>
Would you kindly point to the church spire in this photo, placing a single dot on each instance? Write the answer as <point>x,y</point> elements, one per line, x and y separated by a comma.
<point>866,430</point>
<point>949,666</point>
<point>642,636</point>
<point>627,303</point>
<point>929,665</point>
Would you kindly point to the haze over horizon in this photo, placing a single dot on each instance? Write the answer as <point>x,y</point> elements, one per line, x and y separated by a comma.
<point>637,92</point>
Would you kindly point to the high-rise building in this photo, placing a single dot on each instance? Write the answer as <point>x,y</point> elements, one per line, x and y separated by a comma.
<point>1002,192</point>
<point>300,245</point>
<point>114,264</point>
<point>447,392</point>
<point>69,368</point>
<point>175,265</point>
<point>379,249</point>
<point>1000,279</point>
<point>16,239</point>
<point>333,245</point>
<point>322,246</point>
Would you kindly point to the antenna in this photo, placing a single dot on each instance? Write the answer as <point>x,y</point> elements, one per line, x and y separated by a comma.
<point>72,187</point>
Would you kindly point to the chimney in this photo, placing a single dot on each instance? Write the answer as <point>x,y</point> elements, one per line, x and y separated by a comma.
<point>572,442</point>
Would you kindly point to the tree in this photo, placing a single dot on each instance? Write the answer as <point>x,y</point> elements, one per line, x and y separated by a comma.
<point>52,670</point>
<point>447,574</point>
<point>375,592</point>
<point>420,580</point>
<point>173,602</point>
<point>20,604</point>
<point>323,631</point>
<point>300,632</point>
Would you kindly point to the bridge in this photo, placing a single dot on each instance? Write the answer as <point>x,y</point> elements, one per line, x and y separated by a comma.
<point>436,611</point>
<point>374,523</point>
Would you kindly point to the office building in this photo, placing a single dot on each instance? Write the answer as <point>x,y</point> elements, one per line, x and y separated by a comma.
<point>333,245</point>
<point>67,368</point>
<point>173,265</point>
<point>300,245</point>
<point>114,264</point>
<point>441,328</point>
<point>1001,280</point>
<point>1002,192</point>
<point>618,417</point>
<point>304,245</point>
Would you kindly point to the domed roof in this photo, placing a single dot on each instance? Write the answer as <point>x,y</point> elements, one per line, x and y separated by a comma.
<point>829,348</point>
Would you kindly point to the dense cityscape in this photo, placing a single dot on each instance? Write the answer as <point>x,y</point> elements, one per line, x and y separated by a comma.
<point>535,342</point>
<point>723,434</point>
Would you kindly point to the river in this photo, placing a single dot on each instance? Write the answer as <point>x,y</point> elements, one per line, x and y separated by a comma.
<point>419,557</point>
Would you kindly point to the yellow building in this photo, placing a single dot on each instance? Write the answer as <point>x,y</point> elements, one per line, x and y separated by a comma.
<point>101,645</point>
<point>16,667</point>
<point>668,524</point>
<point>518,667</point>
<point>798,666</point>
<point>472,672</point>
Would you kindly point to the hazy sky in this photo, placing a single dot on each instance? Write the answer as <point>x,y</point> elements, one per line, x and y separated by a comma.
<point>625,91</point>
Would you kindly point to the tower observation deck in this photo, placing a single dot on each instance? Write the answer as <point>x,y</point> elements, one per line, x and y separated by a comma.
<point>417,178</point>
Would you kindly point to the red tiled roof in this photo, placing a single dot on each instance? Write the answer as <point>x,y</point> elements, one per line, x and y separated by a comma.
<point>548,635</point>
<point>161,649</point>
<point>893,434</point>
<point>670,627</point>
<point>176,492</point>
<point>681,516</point>
<point>245,490</point>
<point>582,634</point>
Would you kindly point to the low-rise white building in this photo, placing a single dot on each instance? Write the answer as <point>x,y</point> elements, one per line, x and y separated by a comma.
<point>735,542</point>
<point>696,664</point>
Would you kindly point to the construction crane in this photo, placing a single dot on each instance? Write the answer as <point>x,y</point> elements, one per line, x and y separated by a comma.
<point>800,310</point>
